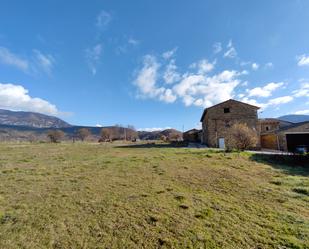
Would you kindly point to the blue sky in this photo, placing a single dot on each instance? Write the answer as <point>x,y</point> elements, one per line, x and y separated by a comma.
<point>153,64</point>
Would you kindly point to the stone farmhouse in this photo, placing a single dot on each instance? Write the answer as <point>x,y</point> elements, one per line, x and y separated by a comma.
<point>273,134</point>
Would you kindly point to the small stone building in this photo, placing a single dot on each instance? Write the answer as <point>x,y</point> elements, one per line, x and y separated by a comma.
<point>293,136</point>
<point>192,136</point>
<point>268,128</point>
<point>217,121</point>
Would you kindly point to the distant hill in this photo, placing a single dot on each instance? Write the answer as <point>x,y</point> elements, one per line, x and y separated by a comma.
<point>26,126</point>
<point>26,133</point>
<point>295,118</point>
<point>155,135</point>
<point>30,119</point>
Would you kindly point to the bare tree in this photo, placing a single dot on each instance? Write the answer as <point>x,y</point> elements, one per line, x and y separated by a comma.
<point>242,137</point>
<point>174,136</point>
<point>105,134</point>
<point>32,138</point>
<point>163,138</point>
<point>83,133</point>
<point>55,135</point>
<point>131,133</point>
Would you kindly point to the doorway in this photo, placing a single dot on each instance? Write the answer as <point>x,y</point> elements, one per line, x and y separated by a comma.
<point>221,143</point>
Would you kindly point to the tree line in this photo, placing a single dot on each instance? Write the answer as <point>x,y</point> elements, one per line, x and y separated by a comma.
<point>107,134</point>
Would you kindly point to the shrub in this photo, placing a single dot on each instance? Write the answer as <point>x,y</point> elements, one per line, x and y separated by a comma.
<point>242,137</point>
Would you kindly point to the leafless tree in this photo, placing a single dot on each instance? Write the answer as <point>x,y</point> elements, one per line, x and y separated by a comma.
<point>83,133</point>
<point>55,135</point>
<point>105,134</point>
<point>32,138</point>
<point>174,136</point>
<point>163,138</point>
<point>131,133</point>
<point>242,137</point>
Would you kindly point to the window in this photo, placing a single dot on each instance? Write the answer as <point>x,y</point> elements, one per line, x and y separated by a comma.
<point>267,128</point>
<point>226,110</point>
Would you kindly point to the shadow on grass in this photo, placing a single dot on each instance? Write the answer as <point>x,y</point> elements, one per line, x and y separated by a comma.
<point>290,164</point>
<point>153,145</point>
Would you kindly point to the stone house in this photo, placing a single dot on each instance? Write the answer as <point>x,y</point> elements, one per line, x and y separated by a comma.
<point>217,121</point>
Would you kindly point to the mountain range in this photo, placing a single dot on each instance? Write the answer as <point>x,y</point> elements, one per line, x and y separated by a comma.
<point>25,126</point>
<point>295,118</point>
<point>30,119</point>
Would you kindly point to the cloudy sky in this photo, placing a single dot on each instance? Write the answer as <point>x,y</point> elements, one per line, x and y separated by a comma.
<point>153,64</point>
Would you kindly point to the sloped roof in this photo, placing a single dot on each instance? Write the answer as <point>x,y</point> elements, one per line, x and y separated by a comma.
<point>274,120</point>
<point>294,125</point>
<point>191,131</point>
<point>205,111</point>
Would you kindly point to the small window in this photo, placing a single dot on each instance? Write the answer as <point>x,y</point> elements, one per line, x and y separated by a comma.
<point>267,128</point>
<point>226,110</point>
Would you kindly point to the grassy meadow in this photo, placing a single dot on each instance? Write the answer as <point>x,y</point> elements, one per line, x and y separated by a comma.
<point>107,196</point>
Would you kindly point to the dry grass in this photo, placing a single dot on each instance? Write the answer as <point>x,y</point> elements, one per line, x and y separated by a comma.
<point>98,196</point>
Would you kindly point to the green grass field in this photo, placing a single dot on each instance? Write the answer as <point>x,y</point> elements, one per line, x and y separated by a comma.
<point>103,196</point>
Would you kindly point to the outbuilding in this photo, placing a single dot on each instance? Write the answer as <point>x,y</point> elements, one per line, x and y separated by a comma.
<point>293,137</point>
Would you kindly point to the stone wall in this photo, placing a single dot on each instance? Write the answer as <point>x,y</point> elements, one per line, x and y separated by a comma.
<point>269,126</point>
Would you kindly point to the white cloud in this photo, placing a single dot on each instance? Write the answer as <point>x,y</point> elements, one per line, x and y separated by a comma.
<point>171,75</point>
<point>302,112</point>
<point>32,64</point>
<point>255,66</point>
<point>270,103</point>
<point>187,85</point>
<point>45,62</point>
<point>265,91</point>
<point>303,60</point>
<point>93,56</point>
<point>204,66</point>
<point>147,78</point>
<point>16,97</point>
<point>205,91</point>
<point>244,72</point>
<point>253,102</point>
<point>98,125</point>
<point>133,41</point>
<point>200,88</point>
<point>167,96</point>
<point>231,51</point>
<point>103,19</point>
<point>280,100</point>
<point>169,54</point>
<point>192,88</point>
<point>269,65</point>
<point>245,63</point>
<point>11,59</point>
<point>303,91</point>
<point>217,47</point>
